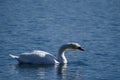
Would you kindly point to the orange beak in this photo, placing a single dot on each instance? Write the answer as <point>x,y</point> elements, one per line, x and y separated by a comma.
<point>81,49</point>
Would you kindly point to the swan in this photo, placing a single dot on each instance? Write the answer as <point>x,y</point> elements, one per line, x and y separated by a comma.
<point>42,57</point>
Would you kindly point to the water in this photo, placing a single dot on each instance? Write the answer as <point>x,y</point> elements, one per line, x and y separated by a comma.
<point>27,25</point>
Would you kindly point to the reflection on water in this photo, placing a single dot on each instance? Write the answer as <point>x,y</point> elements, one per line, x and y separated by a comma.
<point>61,71</point>
<point>61,68</point>
<point>41,71</point>
<point>47,24</point>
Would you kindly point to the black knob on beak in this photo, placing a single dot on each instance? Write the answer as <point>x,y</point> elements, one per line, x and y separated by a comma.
<point>80,48</point>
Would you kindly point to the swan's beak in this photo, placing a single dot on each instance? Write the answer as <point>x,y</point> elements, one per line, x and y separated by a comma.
<point>80,48</point>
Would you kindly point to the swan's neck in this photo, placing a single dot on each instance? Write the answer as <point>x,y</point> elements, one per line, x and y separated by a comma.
<point>61,56</point>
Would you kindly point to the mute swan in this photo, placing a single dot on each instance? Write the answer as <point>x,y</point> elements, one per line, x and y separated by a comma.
<point>41,57</point>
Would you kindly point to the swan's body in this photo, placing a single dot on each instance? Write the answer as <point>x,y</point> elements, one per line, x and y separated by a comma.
<point>41,57</point>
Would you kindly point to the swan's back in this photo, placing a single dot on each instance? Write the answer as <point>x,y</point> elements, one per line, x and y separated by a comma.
<point>37,57</point>
<point>41,57</point>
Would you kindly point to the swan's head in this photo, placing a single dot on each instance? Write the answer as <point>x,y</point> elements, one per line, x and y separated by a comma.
<point>74,46</point>
<point>69,46</point>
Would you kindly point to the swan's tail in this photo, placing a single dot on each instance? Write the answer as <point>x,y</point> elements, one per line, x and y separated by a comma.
<point>14,57</point>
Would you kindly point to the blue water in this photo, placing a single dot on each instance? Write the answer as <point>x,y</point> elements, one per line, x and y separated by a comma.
<point>27,25</point>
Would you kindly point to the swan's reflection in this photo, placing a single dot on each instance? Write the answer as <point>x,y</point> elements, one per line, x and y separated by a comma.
<point>61,71</point>
<point>39,71</point>
<point>61,68</point>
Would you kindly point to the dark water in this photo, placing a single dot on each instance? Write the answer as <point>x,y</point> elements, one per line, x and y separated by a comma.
<point>27,25</point>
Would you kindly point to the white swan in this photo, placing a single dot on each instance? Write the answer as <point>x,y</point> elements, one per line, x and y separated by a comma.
<point>41,57</point>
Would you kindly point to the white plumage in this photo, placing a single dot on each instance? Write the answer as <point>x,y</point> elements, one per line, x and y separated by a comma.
<point>42,57</point>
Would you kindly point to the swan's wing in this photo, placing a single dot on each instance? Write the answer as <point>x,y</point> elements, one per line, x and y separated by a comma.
<point>13,56</point>
<point>37,57</point>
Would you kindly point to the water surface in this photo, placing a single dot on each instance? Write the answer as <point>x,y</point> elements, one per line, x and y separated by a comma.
<point>27,25</point>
